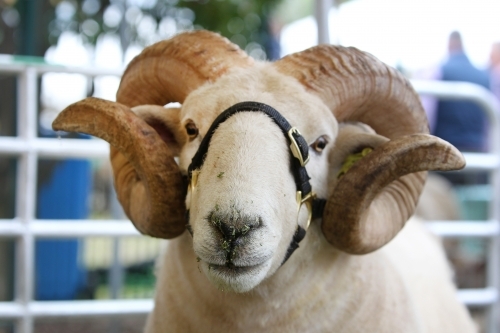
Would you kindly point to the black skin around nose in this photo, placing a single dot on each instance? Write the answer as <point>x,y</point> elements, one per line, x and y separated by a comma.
<point>232,227</point>
<point>227,230</point>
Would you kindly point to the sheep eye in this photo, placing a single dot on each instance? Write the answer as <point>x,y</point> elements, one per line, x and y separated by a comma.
<point>192,130</point>
<point>320,143</point>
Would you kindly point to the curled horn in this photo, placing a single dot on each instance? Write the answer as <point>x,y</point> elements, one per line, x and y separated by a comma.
<point>372,201</point>
<point>148,181</point>
<point>169,70</point>
<point>149,189</point>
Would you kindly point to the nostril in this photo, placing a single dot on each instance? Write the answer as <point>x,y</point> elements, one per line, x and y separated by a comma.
<point>228,231</point>
<point>233,226</point>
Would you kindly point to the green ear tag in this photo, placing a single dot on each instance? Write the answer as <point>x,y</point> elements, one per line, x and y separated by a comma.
<point>351,159</point>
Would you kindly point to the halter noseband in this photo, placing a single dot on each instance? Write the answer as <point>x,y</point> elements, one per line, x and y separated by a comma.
<point>300,153</point>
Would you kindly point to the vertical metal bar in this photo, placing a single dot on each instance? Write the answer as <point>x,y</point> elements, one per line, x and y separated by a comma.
<point>24,287</point>
<point>493,261</point>
<point>116,273</point>
<point>26,195</point>
<point>492,108</point>
<point>116,276</point>
<point>321,11</point>
<point>27,104</point>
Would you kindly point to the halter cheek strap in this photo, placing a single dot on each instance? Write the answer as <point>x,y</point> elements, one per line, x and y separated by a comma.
<point>299,151</point>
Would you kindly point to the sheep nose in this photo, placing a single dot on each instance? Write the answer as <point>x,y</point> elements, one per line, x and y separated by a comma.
<point>234,225</point>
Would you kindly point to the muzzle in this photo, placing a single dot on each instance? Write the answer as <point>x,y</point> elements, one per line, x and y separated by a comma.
<point>300,156</point>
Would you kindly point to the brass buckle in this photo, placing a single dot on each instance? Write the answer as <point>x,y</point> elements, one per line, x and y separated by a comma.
<point>194,181</point>
<point>294,147</point>
<point>307,200</point>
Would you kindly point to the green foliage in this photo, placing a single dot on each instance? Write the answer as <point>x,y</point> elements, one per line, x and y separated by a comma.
<point>244,22</point>
<point>247,23</point>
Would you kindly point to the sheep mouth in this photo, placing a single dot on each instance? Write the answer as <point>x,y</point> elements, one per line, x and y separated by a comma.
<point>237,277</point>
<point>225,262</point>
<point>232,270</point>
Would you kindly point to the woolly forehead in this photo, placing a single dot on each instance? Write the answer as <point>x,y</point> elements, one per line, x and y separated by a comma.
<point>261,83</point>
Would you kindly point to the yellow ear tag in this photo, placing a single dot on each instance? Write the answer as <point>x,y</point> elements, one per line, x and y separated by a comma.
<point>351,159</point>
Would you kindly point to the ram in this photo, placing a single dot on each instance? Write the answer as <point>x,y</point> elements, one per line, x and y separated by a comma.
<point>258,154</point>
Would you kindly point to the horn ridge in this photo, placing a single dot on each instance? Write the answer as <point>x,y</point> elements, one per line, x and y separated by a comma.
<point>353,84</point>
<point>169,70</point>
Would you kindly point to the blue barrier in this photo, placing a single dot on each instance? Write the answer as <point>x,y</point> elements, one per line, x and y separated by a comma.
<point>59,273</point>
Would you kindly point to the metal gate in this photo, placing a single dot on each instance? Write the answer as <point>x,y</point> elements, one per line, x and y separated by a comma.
<point>27,147</point>
<point>488,162</point>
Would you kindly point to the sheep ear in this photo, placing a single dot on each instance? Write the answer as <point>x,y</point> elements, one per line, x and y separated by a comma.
<point>166,122</point>
<point>351,141</point>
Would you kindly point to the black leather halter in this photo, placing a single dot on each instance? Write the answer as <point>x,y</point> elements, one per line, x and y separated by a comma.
<point>300,156</point>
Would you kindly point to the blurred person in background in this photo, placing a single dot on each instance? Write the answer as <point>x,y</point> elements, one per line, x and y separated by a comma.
<point>461,122</point>
<point>495,69</point>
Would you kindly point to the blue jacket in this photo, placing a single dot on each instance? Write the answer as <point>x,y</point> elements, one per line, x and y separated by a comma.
<point>462,123</point>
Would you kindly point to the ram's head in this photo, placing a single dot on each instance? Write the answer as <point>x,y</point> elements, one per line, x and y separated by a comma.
<point>242,208</point>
